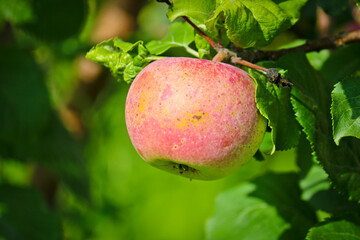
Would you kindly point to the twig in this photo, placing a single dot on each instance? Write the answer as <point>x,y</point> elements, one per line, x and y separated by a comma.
<point>310,46</point>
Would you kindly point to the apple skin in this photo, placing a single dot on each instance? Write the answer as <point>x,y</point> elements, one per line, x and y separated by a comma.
<point>195,118</point>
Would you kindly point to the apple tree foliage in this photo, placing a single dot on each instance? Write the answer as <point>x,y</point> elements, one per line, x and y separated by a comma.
<point>320,114</point>
<point>318,118</point>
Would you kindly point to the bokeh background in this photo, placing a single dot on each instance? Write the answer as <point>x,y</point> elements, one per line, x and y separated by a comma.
<point>67,167</point>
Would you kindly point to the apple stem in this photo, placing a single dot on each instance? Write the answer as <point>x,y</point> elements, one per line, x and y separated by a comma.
<point>237,60</point>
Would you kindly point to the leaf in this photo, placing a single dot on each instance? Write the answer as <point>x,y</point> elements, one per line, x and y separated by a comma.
<point>274,104</point>
<point>315,186</point>
<point>311,101</point>
<point>333,7</point>
<point>55,20</point>
<point>335,230</point>
<point>24,104</point>
<point>292,8</point>
<point>202,45</point>
<point>345,109</point>
<point>197,9</point>
<point>29,128</point>
<point>25,216</point>
<point>254,23</point>
<point>180,34</point>
<point>124,59</point>
<point>268,207</point>
<point>63,155</point>
<point>342,62</point>
<point>317,59</point>
<point>16,11</point>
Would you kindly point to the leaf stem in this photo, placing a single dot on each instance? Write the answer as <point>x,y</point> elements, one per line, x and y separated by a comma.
<point>154,58</point>
<point>192,51</point>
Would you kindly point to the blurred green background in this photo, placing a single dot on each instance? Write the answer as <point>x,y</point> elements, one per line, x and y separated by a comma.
<point>67,167</point>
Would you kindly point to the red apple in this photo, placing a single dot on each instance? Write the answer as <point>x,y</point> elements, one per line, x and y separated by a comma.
<point>195,118</point>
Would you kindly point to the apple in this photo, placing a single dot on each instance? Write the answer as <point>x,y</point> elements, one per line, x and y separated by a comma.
<point>195,118</point>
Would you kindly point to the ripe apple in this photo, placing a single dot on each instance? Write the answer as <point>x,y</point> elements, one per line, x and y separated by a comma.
<point>195,118</point>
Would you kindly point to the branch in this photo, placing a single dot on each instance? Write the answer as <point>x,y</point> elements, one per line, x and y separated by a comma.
<point>310,46</point>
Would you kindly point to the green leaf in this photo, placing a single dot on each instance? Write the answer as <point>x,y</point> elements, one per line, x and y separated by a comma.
<point>55,20</point>
<point>25,216</point>
<point>16,11</point>
<point>358,3</point>
<point>24,104</point>
<point>317,59</point>
<point>29,129</point>
<point>315,185</point>
<point>63,155</point>
<point>180,34</point>
<point>197,9</point>
<point>202,45</point>
<point>268,207</point>
<point>342,62</point>
<point>274,104</point>
<point>345,109</point>
<point>335,230</point>
<point>333,7</point>
<point>311,100</point>
<point>292,8</point>
<point>124,59</point>
<point>254,23</point>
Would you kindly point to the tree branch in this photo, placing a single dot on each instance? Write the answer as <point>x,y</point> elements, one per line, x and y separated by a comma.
<point>310,46</point>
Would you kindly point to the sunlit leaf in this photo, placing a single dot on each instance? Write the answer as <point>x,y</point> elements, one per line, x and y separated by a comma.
<point>274,104</point>
<point>335,230</point>
<point>202,45</point>
<point>180,34</point>
<point>345,109</point>
<point>125,60</point>
<point>197,9</point>
<point>254,23</point>
<point>268,207</point>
